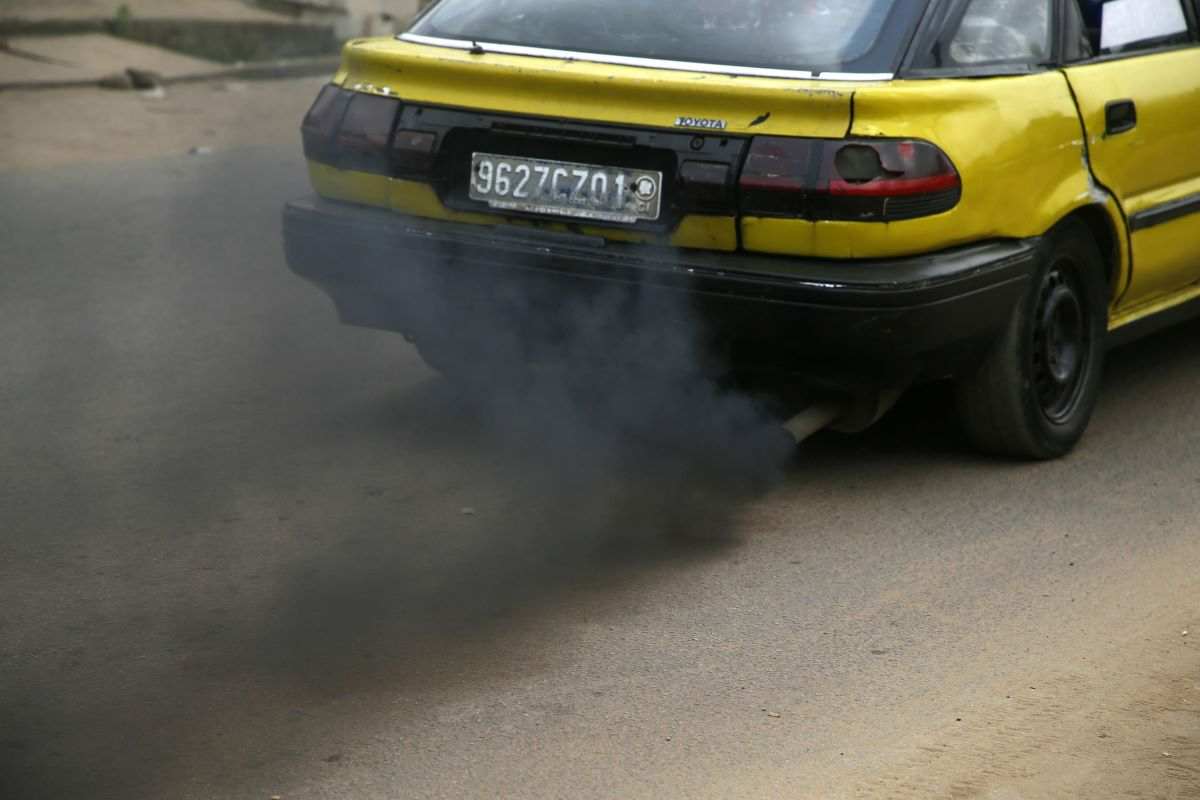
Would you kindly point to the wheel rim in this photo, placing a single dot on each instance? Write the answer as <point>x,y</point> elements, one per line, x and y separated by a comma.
<point>1062,343</point>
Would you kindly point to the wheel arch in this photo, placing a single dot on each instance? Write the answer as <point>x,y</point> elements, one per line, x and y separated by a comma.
<point>1107,225</point>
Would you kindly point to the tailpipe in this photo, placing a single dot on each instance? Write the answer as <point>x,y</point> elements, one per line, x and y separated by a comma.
<point>814,419</point>
<point>848,415</point>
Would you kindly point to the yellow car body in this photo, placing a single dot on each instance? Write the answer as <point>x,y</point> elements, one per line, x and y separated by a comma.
<point>1035,149</point>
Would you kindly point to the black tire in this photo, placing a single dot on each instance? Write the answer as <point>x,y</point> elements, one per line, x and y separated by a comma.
<point>1033,395</point>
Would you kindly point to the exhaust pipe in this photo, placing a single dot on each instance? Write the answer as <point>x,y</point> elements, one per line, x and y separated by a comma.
<point>813,419</point>
<point>849,415</point>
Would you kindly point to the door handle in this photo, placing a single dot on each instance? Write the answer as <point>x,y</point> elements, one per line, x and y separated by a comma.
<point>1120,116</point>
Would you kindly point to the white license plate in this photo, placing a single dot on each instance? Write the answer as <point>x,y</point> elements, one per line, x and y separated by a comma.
<point>566,189</point>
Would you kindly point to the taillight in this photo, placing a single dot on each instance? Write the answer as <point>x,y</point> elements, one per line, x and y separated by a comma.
<point>780,175</point>
<point>865,180</point>
<point>362,141</point>
<point>413,153</point>
<point>705,187</point>
<point>322,121</point>
<point>357,131</point>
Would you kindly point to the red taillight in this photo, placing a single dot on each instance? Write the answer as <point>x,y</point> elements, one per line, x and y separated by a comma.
<point>896,187</point>
<point>867,180</point>
<point>782,165</point>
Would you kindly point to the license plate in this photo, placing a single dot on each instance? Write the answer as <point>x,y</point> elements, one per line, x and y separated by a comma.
<point>566,189</point>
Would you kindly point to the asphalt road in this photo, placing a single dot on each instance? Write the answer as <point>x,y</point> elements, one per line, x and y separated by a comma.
<point>246,552</point>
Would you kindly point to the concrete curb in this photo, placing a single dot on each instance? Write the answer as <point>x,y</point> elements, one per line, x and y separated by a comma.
<point>14,26</point>
<point>264,70</point>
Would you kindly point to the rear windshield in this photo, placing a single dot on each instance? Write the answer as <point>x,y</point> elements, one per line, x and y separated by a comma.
<point>806,35</point>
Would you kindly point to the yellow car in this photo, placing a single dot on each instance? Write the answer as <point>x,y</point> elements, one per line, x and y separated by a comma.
<point>856,194</point>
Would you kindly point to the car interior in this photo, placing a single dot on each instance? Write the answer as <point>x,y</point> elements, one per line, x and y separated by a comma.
<point>1002,32</point>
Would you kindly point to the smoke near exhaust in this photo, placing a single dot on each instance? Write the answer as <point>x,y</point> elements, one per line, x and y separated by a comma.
<point>602,382</point>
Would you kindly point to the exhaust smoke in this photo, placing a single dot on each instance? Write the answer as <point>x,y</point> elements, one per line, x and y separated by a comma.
<point>613,383</point>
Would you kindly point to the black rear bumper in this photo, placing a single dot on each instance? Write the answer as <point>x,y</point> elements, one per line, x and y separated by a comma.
<point>840,322</point>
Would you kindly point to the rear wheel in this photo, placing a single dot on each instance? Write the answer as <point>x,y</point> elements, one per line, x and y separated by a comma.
<point>1034,394</point>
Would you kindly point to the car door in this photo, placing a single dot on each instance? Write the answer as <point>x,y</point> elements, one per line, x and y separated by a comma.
<point>1137,83</point>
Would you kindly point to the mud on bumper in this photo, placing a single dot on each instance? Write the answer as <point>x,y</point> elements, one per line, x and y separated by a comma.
<point>833,322</point>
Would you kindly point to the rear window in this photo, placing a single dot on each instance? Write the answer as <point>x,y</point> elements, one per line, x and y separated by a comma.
<point>805,35</point>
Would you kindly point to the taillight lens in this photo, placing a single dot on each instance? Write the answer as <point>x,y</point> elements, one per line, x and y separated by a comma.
<point>865,180</point>
<point>357,131</point>
<point>780,175</point>
<point>362,140</point>
<point>322,121</point>
<point>413,153</point>
<point>705,187</point>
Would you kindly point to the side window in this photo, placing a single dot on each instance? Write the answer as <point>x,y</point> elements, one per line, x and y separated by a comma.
<point>1003,32</point>
<point>1123,26</point>
<point>1080,38</point>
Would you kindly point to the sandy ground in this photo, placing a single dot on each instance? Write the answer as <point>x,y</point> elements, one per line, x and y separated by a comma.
<point>47,128</point>
<point>89,57</point>
<point>236,561</point>
<point>1122,722</point>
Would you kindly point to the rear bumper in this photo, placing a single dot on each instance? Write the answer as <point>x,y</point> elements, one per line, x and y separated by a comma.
<point>839,322</point>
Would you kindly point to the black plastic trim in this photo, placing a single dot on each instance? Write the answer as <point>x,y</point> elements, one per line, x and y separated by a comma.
<point>1167,212</point>
<point>915,280</point>
<point>461,131</point>
<point>1120,116</point>
<point>1148,326</point>
<point>837,323</point>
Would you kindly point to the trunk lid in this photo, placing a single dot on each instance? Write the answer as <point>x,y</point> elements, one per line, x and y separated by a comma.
<point>606,93</point>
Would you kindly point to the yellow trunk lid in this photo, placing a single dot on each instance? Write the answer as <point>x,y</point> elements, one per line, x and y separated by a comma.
<point>582,90</point>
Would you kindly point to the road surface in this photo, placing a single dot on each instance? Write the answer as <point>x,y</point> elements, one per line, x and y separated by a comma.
<point>245,552</point>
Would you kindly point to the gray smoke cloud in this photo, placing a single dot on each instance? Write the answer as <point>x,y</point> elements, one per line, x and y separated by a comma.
<point>605,382</point>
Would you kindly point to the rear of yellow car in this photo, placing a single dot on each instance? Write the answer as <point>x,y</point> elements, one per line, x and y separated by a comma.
<point>827,219</point>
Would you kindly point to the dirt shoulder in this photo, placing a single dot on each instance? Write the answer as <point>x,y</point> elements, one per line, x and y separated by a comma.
<point>1098,698</point>
<point>47,128</point>
<point>1125,725</point>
